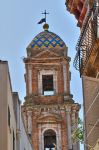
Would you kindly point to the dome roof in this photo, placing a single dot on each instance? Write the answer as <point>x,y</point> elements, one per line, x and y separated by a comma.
<point>47,39</point>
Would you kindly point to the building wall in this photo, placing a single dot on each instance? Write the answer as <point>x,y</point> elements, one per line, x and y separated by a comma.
<point>3,106</point>
<point>12,128</point>
<point>22,139</point>
<point>12,131</point>
<point>60,118</point>
<point>17,110</point>
<point>25,143</point>
<point>49,112</point>
<point>91,106</point>
<point>6,101</point>
<point>87,62</point>
<point>34,73</point>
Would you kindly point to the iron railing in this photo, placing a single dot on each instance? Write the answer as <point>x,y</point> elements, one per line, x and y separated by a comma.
<point>90,32</point>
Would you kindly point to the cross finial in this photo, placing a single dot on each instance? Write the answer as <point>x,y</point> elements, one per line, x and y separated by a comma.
<point>45,13</point>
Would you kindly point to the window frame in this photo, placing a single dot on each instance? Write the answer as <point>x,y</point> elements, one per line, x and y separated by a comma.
<point>40,85</point>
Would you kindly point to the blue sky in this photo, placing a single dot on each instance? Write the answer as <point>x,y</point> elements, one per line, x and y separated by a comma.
<point>18,26</point>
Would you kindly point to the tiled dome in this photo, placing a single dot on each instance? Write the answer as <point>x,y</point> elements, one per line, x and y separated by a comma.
<point>47,39</point>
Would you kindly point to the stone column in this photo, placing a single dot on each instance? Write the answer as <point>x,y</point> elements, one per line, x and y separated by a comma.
<point>29,115</point>
<point>97,17</point>
<point>39,82</point>
<point>58,136</point>
<point>55,81</point>
<point>68,112</point>
<point>74,126</point>
<point>25,119</point>
<point>98,24</point>
<point>66,78</point>
<point>40,137</point>
<point>30,79</point>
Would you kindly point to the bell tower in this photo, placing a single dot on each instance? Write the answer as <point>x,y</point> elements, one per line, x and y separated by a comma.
<point>50,114</point>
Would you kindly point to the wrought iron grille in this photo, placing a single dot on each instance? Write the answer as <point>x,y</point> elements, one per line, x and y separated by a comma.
<point>90,32</point>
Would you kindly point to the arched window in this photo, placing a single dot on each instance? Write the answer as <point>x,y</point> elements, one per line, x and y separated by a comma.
<point>49,140</point>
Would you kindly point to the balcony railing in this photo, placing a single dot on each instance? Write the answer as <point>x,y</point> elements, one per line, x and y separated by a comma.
<point>89,34</point>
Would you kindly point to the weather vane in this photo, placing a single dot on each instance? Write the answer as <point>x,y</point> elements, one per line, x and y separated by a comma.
<point>43,19</point>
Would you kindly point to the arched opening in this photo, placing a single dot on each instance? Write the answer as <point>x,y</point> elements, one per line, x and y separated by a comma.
<point>49,140</point>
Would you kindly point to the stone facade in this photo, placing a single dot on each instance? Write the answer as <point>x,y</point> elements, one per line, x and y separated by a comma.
<point>53,115</point>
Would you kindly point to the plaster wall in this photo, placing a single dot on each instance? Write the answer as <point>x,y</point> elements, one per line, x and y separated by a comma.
<point>24,139</point>
<point>91,109</point>
<point>3,106</point>
<point>6,100</point>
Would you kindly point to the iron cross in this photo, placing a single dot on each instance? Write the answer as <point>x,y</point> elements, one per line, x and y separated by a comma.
<point>45,13</point>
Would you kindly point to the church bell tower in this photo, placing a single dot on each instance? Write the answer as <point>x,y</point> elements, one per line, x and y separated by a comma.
<point>49,112</point>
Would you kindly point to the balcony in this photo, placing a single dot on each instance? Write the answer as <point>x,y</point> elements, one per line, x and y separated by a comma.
<point>78,8</point>
<point>88,44</point>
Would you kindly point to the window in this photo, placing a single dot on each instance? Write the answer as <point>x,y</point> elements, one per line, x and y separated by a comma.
<point>9,116</point>
<point>49,140</point>
<point>47,84</point>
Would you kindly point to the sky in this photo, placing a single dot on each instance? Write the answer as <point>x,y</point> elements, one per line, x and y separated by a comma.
<point>18,26</point>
